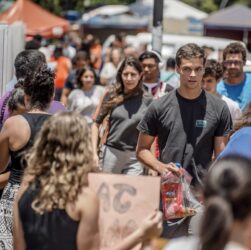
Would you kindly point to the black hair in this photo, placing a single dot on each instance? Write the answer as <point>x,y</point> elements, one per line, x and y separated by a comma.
<point>227,193</point>
<point>80,73</point>
<point>39,87</point>
<point>27,62</point>
<point>58,51</point>
<point>213,69</point>
<point>149,54</point>
<point>38,38</point>
<point>32,44</point>
<point>170,63</point>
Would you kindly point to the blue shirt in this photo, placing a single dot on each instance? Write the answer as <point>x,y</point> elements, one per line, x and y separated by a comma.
<point>241,93</point>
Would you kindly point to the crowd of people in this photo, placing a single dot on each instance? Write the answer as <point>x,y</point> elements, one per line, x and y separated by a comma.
<point>79,110</point>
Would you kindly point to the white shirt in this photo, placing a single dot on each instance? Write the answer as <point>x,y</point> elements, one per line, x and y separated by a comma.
<point>109,72</point>
<point>85,102</point>
<point>233,106</point>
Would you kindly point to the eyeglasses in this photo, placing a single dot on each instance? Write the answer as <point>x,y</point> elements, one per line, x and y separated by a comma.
<point>234,62</point>
<point>188,71</point>
<point>149,66</point>
<point>127,75</point>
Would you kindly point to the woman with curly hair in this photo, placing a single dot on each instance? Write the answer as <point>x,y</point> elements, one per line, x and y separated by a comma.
<point>17,135</point>
<point>55,208</point>
<point>123,106</point>
<point>86,98</point>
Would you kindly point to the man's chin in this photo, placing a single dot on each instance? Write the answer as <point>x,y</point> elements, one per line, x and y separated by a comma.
<point>147,79</point>
<point>234,74</point>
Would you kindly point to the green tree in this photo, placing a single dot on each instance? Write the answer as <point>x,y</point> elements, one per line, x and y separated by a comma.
<point>51,5</point>
<point>213,5</point>
<point>57,6</point>
<point>209,6</point>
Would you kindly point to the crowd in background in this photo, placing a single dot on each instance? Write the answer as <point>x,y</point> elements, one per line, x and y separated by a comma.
<point>154,114</point>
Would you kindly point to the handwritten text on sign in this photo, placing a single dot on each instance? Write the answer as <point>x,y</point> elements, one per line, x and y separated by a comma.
<point>125,201</point>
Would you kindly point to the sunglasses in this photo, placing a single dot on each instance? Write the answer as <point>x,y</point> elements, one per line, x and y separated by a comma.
<point>234,62</point>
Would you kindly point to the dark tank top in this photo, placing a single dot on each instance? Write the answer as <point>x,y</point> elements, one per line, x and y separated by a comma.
<point>53,230</point>
<point>35,121</point>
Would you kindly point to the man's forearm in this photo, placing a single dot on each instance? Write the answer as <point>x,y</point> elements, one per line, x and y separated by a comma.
<point>148,159</point>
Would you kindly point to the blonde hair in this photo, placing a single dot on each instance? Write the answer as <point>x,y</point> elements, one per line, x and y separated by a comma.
<point>60,160</point>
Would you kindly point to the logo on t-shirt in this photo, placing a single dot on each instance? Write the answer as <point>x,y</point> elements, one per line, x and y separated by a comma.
<point>201,124</point>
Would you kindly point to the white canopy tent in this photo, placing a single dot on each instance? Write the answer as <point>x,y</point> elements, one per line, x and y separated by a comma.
<point>172,9</point>
<point>179,18</point>
<point>106,10</point>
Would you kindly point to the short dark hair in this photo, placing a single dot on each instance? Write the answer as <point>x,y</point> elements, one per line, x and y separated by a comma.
<point>58,51</point>
<point>27,62</point>
<point>214,69</point>
<point>235,48</point>
<point>33,44</point>
<point>189,51</point>
<point>149,54</point>
<point>170,63</point>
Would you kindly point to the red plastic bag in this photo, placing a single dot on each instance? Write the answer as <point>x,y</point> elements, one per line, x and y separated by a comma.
<point>176,195</point>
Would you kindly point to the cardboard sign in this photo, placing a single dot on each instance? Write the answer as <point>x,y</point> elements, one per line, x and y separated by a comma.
<point>125,201</point>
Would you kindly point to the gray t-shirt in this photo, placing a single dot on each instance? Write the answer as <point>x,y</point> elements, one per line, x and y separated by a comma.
<point>123,121</point>
<point>186,129</point>
<point>85,102</point>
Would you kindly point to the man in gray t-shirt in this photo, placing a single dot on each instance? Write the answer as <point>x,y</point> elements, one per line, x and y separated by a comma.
<point>191,125</point>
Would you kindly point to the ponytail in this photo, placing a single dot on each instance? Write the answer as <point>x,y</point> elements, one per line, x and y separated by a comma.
<point>216,224</point>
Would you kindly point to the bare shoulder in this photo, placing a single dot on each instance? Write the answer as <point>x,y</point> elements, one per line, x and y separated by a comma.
<point>87,199</point>
<point>15,121</point>
<point>12,125</point>
<point>88,231</point>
